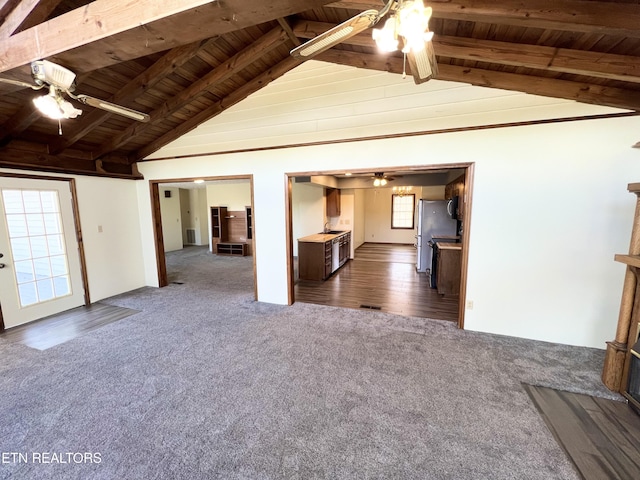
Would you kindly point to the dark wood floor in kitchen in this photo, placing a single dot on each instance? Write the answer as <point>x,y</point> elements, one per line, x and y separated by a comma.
<point>381,275</point>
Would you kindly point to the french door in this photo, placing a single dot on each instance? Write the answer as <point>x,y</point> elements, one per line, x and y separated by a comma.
<point>41,271</point>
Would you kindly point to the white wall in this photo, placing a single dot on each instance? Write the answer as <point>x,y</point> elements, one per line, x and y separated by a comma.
<point>550,206</point>
<point>357,237</point>
<point>235,195</point>
<point>307,207</point>
<point>377,221</point>
<point>171,219</point>
<point>199,215</point>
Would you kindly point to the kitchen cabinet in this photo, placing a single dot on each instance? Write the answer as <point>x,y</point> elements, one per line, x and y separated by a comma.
<point>449,266</point>
<point>316,254</point>
<point>332,202</point>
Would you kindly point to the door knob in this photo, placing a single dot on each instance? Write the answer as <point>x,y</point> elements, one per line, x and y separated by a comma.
<point>2,265</point>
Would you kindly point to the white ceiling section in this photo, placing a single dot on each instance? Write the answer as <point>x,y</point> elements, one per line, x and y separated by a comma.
<point>317,101</point>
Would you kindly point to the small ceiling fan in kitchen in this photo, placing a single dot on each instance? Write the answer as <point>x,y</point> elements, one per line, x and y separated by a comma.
<point>380,179</point>
<point>60,81</point>
<point>407,24</point>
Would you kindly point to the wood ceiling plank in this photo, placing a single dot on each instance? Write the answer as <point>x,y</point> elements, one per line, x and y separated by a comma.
<point>619,67</point>
<point>106,33</point>
<point>221,73</point>
<point>548,87</point>
<point>19,122</point>
<point>238,95</point>
<point>27,14</point>
<point>612,18</point>
<point>166,65</point>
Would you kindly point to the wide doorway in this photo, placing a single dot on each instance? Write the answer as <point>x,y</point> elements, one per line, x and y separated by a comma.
<point>400,236</point>
<point>41,272</point>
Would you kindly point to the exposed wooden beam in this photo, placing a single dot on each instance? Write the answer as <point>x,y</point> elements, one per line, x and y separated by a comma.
<point>166,65</point>
<point>222,72</point>
<point>563,60</point>
<point>27,14</point>
<point>33,160</point>
<point>619,19</point>
<point>548,87</point>
<point>238,95</point>
<point>109,33</point>
<point>287,28</point>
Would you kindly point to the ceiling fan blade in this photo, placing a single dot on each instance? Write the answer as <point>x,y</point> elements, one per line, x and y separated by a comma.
<point>112,107</point>
<point>18,83</point>
<point>337,34</point>
<point>423,63</point>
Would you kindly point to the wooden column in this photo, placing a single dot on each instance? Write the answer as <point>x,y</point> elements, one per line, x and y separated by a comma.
<point>614,370</point>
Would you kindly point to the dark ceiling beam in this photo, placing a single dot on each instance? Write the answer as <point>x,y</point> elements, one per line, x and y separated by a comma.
<point>222,72</point>
<point>579,62</point>
<point>166,65</point>
<point>43,162</point>
<point>237,96</point>
<point>27,14</point>
<point>286,26</point>
<point>619,19</point>
<point>102,33</point>
<point>548,87</point>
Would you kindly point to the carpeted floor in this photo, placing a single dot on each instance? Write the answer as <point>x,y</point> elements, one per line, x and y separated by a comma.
<point>205,383</point>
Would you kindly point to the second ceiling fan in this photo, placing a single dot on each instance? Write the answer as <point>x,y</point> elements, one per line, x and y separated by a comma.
<point>407,29</point>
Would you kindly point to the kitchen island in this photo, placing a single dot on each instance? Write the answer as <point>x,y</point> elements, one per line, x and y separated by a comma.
<point>322,254</point>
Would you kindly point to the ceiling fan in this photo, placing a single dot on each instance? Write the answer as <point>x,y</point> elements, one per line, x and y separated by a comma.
<point>408,22</point>
<point>380,179</point>
<point>61,81</point>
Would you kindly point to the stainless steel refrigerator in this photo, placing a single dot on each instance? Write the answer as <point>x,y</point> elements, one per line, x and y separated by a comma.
<point>433,220</point>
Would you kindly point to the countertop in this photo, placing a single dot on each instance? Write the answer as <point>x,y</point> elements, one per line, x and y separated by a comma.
<point>449,246</point>
<point>321,237</point>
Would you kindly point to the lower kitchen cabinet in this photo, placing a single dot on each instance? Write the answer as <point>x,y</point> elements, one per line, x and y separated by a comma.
<point>316,255</point>
<point>449,266</point>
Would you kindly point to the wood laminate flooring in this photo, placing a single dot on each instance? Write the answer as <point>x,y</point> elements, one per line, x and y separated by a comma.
<point>382,276</point>
<point>56,329</point>
<point>600,436</point>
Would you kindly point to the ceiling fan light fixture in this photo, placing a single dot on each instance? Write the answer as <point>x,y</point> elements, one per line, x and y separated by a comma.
<point>411,22</point>
<point>386,38</point>
<point>54,106</point>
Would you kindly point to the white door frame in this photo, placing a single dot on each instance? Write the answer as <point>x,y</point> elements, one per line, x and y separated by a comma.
<point>76,221</point>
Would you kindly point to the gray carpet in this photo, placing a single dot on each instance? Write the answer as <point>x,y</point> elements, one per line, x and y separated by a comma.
<point>206,383</point>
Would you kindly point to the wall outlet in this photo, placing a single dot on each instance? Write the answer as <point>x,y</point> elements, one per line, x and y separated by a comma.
<point>469,304</point>
<point>99,228</point>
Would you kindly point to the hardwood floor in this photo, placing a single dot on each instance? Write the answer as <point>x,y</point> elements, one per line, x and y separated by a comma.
<point>382,276</point>
<point>600,436</point>
<point>65,326</point>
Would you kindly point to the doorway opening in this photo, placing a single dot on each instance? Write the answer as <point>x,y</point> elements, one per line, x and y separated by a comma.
<point>42,256</point>
<point>384,272</point>
<point>186,217</point>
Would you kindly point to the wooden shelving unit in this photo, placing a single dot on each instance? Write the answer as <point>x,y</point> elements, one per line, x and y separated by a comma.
<point>228,248</point>
<point>231,231</point>
<point>615,372</point>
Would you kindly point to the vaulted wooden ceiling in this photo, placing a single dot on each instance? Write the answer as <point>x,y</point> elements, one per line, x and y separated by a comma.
<point>186,61</point>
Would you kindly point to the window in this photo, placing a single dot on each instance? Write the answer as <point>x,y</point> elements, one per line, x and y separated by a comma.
<point>402,207</point>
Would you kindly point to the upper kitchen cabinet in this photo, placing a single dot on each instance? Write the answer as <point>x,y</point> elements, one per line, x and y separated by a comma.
<point>332,199</point>
<point>456,189</point>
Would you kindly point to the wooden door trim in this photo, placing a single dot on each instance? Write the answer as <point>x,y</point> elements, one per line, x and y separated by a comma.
<point>468,172</point>
<point>154,191</point>
<point>76,220</point>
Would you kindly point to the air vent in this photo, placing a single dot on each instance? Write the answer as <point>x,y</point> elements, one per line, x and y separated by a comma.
<point>371,307</point>
<point>191,236</point>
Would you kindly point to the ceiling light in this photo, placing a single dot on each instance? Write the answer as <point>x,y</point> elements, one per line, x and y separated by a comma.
<point>411,22</point>
<point>198,181</point>
<point>347,174</point>
<point>54,106</point>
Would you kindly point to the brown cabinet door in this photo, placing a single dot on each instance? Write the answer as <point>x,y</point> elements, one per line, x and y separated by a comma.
<point>332,202</point>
